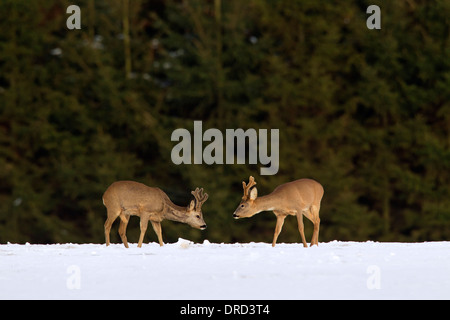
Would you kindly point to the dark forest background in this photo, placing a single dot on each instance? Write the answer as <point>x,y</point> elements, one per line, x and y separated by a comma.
<point>364,112</point>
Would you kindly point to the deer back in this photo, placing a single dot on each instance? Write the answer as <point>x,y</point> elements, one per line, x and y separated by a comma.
<point>305,191</point>
<point>130,196</point>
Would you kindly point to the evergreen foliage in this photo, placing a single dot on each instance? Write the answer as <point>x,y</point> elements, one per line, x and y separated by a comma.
<point>364,112</point>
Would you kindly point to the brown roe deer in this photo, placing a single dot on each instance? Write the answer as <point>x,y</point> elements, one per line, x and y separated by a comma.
<point>128,198</point>
<point>299,197</point>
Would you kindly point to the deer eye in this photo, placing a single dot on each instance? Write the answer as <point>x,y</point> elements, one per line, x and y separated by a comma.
<point>242,205</point>
<point>198,216</point>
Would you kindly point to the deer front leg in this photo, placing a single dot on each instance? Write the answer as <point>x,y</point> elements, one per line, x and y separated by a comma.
<point>157,227</point>
<point>123,228</point>
<point>279,226</point>
<point>143,224</point>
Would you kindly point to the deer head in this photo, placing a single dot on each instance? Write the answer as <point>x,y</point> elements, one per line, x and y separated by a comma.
<point>194,210</point>
<point>246,207</point>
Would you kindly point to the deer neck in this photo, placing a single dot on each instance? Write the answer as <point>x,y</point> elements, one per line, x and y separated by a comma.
<point>266,203</point>
<point>173,212</point>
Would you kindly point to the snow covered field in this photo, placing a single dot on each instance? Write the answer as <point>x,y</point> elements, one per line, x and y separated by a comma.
<point>184,270</point>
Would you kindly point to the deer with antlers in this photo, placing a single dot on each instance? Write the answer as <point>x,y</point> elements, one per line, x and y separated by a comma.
<point>299,197</point>
<point>127,198</point>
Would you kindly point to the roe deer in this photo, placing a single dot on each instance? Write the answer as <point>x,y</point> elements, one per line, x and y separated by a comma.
<point>126,198</point>
<point>299,197</point>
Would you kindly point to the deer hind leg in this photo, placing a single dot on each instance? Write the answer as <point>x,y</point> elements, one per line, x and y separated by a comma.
<point>301,227</point>
<point>316,221</point>
<point>123,228</point>
<point>279,226</point>
<point>112,216</point>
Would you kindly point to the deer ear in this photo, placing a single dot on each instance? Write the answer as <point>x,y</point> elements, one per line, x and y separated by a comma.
<point>192,205</point>
<point>253,193</point>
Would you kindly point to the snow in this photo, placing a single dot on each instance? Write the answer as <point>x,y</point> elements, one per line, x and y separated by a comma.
<point>209,271</point>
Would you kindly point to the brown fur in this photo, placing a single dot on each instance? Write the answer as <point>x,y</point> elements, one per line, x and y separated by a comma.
<point>299,197</point>
<point>128,198</point>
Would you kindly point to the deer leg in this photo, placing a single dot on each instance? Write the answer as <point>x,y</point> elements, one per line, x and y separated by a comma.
<point>280,222</point>
<point>317,227</point>
<point>143,224</point>
<point>316,220</point>
<point>157,227</point>
<point>301,227</point>
<point>112,216</point>
<point>123,228</point>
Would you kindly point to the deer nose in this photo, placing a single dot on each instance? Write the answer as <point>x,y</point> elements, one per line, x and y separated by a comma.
<point>203,227</point>
<point>235,215</point>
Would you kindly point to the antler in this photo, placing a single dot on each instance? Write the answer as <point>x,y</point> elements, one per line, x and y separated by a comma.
<point>251,183</point>
<point>200,198</point>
